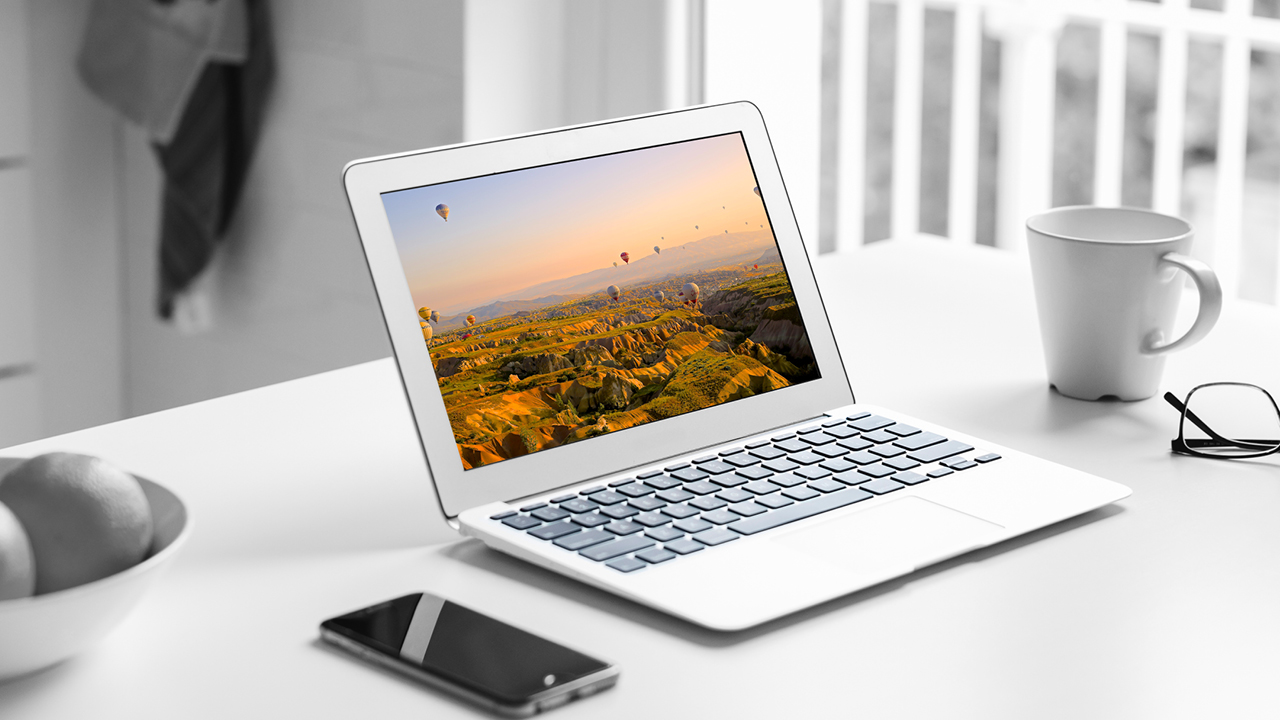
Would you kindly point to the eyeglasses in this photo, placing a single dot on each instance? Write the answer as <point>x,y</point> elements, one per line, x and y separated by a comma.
<point>1227,420</point>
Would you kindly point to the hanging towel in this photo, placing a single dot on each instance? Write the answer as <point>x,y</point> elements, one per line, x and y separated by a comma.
<point>195,74</point>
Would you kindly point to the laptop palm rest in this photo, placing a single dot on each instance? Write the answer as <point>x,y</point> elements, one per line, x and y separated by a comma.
<point>907,533</point>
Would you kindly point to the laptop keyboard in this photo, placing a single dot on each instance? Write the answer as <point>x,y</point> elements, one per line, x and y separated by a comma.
<point>663,514</point>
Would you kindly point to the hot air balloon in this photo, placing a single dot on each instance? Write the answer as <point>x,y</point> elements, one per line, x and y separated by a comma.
<point>626,257</point>
<point>659,296</point>
<point>695,227</point>
<point>614,292</point>
<point>426,330</point>
<point>721,207</point>
<point>615,263</point>
<point>690,293</point>
<point>466,336</point>
<point>443,211</point>
<point>657,250</point>
<point>756,190</point>
<point>471,319</point>
<point>424,313</point>
<point>755,267</point>
<point>435,316</point>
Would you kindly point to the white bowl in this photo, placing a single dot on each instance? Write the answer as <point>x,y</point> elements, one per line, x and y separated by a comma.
<point>39,631</point>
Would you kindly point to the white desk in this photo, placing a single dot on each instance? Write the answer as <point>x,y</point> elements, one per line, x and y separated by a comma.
<point>310,498</point>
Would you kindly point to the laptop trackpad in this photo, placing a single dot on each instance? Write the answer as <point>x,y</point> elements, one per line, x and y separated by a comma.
<point>907,533</point>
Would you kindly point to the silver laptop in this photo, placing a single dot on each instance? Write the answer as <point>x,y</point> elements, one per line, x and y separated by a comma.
<point>621,369</point>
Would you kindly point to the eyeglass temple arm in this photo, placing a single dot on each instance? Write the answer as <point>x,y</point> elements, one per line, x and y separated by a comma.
<point>1175,402</point>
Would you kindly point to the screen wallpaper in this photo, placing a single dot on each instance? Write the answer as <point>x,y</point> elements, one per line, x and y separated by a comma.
<point>567,301</point>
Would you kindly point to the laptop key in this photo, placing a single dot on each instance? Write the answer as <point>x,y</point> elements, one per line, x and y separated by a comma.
<point>784,436</point>
<point>787,480</point>
<point>963,464</point>
<point>662,482</point>
<point>734,495</point>
<point>702,487</point>
<point>754,473</point>
<point>831,451</point>
<point>862,457</point>
<point>651,519</point>
<point>719,517</point>
<point>531,508</point>
<point>857,416</point>
<point>521,522</point>
<point>703,459</point>
<point>692,525</point>
<point>830,423</point>
<point>502,515</point>
<point>690,475</point>
<point>550,514</point>
<point>879,436</point>
<point>590,520</point>
<point>902,429</point>
<point>987,458</point>
<point>655,555</point>
<point>679,512</point>
<point>619,512</point>
<point>806,458</point>
<point>881,486</point>
<point>901,463</point>
<point>826,485</point>
<point>887,451</point>
<point>623,527</point>
<point>810,429</point>
<point>684,546</point>
<point>940,472</point>
<point>757,444</point>
<point>578,505</point>
<point>812,473</point>
<point>773,502</point>
<point>555,530</point>
<point>855,444</point>
<point>675,495</point>
<point>730,451</point>
<point>761,487</point>
<point>563,498</point>
<point>719,536</point>
<point>818,438</point>
<point>742,460</point>
<point>608,497</point>
<point>716,467</point>
<point>623,481</point>
<point>915,442</point>
<point>749,509</point>
<point>621,546</point>
<point>799,511</point>
<point>677,466</point>
<point>587,538</point>
<point>708,502</point>
<point>732,480</point>
<point>852,477</point>
<point>838,465</point>
<point>792,446</point>
<point>768,452</point>
<point>871,422</point>
<point>590,490</point>
<point>909,478</point>
<point>664,533</point>
<point>841,431</point>
<point>876,471</point>
<point>634,490</point>
<point>647,503</point>
<point>939,451</point>
<point>627,564</point>
<point>800,492</point>
<point>648,474</point>
<point>780,465</point>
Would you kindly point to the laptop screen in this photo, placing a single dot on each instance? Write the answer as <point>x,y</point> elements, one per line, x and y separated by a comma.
<point>566,301</point>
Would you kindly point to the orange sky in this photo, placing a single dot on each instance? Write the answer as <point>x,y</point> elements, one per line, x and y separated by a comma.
<point>515,230</point>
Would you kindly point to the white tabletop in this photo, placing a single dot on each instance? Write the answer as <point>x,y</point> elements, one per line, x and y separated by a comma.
<point>311,498</point>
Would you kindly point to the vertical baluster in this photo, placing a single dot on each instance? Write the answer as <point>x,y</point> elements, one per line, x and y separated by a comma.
<point>962,207</point>
<point>1109,152</point>
<point>907,99</point>
<point>1232,128</point>
<point>1170,111</point>
<point>851,173</point>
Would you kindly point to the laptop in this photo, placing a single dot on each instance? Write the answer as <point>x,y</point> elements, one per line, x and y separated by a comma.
<point>621,369</point>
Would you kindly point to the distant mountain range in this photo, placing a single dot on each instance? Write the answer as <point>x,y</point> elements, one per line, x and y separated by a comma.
<point>710,252</point>
<point>500,309</point>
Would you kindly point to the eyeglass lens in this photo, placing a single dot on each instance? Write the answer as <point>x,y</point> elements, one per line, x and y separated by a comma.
<point>1238,420</point>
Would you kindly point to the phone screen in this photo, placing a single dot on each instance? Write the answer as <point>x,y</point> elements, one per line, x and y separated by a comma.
<point>460,645</point>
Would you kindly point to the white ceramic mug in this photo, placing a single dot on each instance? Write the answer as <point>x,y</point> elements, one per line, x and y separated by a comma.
<point>1107,287</point>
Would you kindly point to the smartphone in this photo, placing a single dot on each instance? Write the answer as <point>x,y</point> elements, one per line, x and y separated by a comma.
<point>469,655</point>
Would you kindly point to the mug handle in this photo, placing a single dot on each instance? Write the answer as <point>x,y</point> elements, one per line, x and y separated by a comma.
<point>1210,305</point>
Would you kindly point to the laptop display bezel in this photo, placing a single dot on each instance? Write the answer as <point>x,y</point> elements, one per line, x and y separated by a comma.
<point>457,488</point>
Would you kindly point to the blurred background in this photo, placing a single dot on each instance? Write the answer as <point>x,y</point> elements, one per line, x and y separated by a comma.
<point>889,117</point>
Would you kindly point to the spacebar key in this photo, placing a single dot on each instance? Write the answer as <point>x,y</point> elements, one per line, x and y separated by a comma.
<point>799,511</point>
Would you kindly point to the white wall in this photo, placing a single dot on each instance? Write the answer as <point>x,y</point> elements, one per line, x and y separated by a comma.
<point>292,296</point>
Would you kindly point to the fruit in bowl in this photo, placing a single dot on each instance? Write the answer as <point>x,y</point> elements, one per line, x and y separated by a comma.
<point>80,540</point>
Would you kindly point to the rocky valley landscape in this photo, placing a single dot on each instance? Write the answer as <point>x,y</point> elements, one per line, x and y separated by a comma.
<point>600,362</point>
